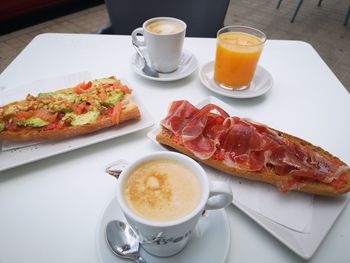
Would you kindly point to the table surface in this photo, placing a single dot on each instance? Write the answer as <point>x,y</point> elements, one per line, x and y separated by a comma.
<point>50,208</point>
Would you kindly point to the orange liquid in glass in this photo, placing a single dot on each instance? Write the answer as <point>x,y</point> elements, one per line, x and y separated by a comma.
<point>237,55</point>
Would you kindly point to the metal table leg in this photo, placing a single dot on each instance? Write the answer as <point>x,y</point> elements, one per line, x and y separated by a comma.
<point>297,10</point>
<point>347,17</point>
<point>279,3</point>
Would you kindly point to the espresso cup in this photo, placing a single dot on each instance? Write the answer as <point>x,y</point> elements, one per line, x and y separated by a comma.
<point>163,39</point>
<point>163,195</point>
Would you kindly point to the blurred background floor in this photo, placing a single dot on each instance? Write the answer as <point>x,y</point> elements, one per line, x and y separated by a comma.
<point>322,27</point>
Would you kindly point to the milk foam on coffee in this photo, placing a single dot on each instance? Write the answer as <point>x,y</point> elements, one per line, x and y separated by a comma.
<point>164,27</point>
<point>162,190</point>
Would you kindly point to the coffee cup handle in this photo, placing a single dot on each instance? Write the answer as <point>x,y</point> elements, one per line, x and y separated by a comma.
<point>220,195</point>
<point>135,39</point>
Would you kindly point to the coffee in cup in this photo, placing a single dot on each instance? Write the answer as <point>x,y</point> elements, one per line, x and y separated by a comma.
<point>162,190</point>
<point>162,196</point>
<point>164,26</point>
<point>163,39</point>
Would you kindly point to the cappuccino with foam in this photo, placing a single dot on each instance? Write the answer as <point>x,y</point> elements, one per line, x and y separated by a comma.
<point>164,26</point>
<point>162,190</point>
<point>163,38</point>
<point>163,195</point>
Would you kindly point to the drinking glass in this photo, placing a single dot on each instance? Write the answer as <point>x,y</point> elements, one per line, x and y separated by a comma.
<point>237,54</point>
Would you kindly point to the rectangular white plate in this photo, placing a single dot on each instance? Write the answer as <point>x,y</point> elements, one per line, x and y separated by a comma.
<point>17,157</point>
<point>325,211</point>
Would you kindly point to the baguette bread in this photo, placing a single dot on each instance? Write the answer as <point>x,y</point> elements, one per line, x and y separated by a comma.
<point>268,174</point>
<point>57,122</point>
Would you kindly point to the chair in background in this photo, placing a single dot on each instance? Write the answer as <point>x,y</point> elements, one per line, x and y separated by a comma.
<point>319,4</point>
<point>203,17</point>
<point>347,17</point>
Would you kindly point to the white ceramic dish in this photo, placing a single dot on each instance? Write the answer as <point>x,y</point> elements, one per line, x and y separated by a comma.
<point>20,156</point>
<point>209,243</point>
<point>262,83</point>
<point>325,210</point>
<point>186,67</point>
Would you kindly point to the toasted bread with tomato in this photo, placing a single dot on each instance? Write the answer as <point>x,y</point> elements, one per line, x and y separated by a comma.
<point>251,150</point>
<point>85,108</point>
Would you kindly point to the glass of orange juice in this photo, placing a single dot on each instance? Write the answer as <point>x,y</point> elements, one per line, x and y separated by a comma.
<point>237,54</point>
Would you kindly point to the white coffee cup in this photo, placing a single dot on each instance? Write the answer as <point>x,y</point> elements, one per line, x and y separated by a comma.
<point>163,38</point>
<point>166,238</point>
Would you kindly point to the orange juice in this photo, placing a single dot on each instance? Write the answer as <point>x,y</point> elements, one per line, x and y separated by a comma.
<point>237,55</point>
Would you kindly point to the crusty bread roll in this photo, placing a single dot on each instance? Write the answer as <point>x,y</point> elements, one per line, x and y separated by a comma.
<point>267,174</point>
<point>128,111</point>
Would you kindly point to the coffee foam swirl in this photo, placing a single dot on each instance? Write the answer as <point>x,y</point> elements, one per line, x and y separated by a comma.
<point>162,190</point>
<point>164,27</point>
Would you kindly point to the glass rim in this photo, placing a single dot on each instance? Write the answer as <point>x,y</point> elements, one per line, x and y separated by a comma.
<point>263,39</point>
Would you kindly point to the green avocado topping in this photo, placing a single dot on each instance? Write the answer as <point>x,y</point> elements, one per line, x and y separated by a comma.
<point>33,122</point>
<point>11,109</point>
<point>2,126</point>
<point>70,97</point>
<point>103,81</point>
<point>111,100</point>
<point>82,119</point>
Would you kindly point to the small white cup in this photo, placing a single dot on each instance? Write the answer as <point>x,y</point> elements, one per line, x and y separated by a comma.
<point>164,49</point>
<point>168,238</point>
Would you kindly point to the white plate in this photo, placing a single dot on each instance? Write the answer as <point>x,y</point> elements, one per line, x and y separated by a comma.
<point>184,69</point>
<point>210,242</point>
<point>325,210</point>
<point>17,157</point>
<point>262,83</point>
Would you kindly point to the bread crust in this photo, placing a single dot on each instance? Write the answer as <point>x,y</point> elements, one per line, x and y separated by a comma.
<point>129,112</point>
<point>266,175</point>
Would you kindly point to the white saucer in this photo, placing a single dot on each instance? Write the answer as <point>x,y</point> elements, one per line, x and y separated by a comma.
<point>262,82</point>
<point>210,242</point>
<point>182,71</point>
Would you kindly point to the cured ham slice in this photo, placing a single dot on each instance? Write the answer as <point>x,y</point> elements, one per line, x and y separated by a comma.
<point>210,133</point>
<point>197,124</point>
<point>188,122</point>
<point>179,114</point>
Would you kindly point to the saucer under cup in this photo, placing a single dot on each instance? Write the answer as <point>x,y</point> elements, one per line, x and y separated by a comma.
<point>188,64</point>
<point>261,83</point>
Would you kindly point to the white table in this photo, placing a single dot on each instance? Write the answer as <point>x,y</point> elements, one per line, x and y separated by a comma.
<point>49,209</point>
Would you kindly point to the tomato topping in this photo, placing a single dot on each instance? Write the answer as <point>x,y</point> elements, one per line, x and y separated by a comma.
<point>117,110</point>
<point>122,88</point>
<point>54,126</point>
<point>103,96</point>
<point>82,87</point>
<point>107,111</point>
<point>12,127</point>
<point>88,85</point>
<point>45,115</point>
<point>340,182</point>
<point>24,114</point>
<point>79,90</point>
<point>81,108</point>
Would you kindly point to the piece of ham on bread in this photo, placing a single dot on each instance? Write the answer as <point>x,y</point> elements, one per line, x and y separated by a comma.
<point>85,108</point>
<point>250,150</point>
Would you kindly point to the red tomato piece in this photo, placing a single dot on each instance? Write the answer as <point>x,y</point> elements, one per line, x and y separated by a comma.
<point>117,110</point>
<point>45,115</point>
<point>81,108</point>
<point>122,88</point>
<point>24,114</point>
<point>12,127</point>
